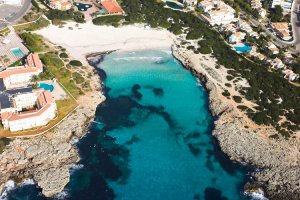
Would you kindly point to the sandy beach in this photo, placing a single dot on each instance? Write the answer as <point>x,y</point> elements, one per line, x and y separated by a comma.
<point>83,39</point>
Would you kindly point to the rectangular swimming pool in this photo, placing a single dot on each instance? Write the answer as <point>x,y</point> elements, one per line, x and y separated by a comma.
<point>243,48</point>
<point>46,86</point>
<point>17,51</point>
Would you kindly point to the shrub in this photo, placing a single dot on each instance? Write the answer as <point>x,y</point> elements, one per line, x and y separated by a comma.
<point>228,84</point>
<point>176,29</point>
<point>194,35</point>
<point>77,77</point>
<point>226,93</point>
<point>63,55</point>
<point>237,99</point>
<point>108,20</point>
<point>76,63</point>
<point>229,78</point>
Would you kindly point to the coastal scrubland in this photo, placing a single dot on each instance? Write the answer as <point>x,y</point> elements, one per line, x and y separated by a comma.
<point>108,20</point>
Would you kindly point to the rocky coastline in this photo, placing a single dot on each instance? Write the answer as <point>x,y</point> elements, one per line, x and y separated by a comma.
<point>47,159</point>
<point>278,160</point>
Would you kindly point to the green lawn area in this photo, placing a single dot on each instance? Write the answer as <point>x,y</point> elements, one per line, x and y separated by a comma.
<point>33,42</point>
<point>56,67</point>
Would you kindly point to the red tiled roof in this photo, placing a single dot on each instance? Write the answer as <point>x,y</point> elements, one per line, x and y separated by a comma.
<point>45,99</point>
<point>33,60</point>
<point>111,6</point>
<point>10,72</point>
<point>33,64</point>
<point>29,114</point>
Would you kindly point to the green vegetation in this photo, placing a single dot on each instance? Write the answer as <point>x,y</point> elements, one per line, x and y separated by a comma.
<point>77,78</point>
<point>33,41</point>
<point>45,75</point>
<point>175,28</point>
<point>76,63</point>
<point>226,93</point>
<point>205,47</point>
<point>35,5</point>
<point>56,67</point>
<point>108,20</point>
<point>58,15</point>
<point>63,55</point>
<point>3,143</point>
<point>194,35</point>
<point>39,24</point>
<point>237,99</point>
<point>228,85</point>
<point>265,87</point>
<point>245,5</point>
<point>276,14</point>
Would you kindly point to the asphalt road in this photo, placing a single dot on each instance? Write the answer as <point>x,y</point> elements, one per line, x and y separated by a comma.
<point>25,7</point>
<point>275,39</point>
<point>19,14</point>
<point>295,22</point>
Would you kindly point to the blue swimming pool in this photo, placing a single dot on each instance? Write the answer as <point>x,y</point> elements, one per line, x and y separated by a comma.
<point>46,86</point>
<point>173,5</point>
<point>242,49</point>
<point>17,51</point>
<point>82,6</point>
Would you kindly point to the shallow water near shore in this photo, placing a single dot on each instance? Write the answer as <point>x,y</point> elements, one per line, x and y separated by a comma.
<point>151,139</point>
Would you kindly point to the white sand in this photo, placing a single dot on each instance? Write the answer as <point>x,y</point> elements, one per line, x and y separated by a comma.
<point>88,38</point>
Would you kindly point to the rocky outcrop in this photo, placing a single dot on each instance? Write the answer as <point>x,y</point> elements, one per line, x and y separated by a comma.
<point>244,141</point>
<point>47,158</point>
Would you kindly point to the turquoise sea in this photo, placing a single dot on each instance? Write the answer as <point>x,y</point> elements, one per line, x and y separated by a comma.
<point>151,139</point>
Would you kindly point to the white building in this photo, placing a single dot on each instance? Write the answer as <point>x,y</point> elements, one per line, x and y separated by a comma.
<point>237,37</point>
<point>39,107</point>
<point>262,12</point>
<point>217,13</point>
<point>286,5</point>
<point>257,55</point>
<point>282,30</point>
<point>273,48</point>
<point>14,76</point>
<point>24,108</point>
<point>256,4</point>
<point>277,64</point>
<point>191,2</point>
<point>206,5</point>
<point>290,75</point>
<point>60,4</point>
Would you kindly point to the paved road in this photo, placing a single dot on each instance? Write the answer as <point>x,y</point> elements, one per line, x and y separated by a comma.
<point>275,39</point>
<point>25,7</point>
<point>295,21</point>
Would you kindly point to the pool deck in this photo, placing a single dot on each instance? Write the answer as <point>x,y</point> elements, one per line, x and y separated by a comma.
<point>5,50</point>
<point>88,14</point>
<point>58,93</point>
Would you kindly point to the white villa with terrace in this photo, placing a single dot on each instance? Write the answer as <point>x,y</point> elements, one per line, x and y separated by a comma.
<point>60,4</point>
<point>217,12</point>
<point>237,37</point>
<point>21,106</point>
